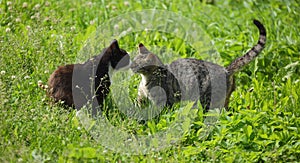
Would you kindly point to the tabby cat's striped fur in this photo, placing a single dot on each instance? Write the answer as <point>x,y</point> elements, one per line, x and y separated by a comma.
<point>190,79</point>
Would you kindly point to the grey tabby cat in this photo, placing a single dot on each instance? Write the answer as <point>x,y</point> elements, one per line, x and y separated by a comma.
<point>190,79</point>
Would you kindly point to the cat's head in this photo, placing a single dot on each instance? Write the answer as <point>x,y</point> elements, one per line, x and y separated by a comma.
<point>145,61</point>
<point>119,58</point>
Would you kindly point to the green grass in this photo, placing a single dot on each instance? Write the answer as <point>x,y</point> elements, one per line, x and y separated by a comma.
<point>261,125</point>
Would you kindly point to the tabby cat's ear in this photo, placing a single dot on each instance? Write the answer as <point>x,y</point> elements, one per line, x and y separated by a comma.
<point>143,49</point>
<point>154,59</point>
<point>114,45</point>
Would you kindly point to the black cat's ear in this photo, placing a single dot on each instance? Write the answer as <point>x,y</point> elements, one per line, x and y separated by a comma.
<point>143,49</point>
<point>114,45</point>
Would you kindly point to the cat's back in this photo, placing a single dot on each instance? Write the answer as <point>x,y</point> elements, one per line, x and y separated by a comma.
<point>196,75</point>
<point>186,68</point>
<point>62,75</point>
<point>192,64</point>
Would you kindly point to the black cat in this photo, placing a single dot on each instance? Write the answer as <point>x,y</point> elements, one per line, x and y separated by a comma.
<point>77,85</point>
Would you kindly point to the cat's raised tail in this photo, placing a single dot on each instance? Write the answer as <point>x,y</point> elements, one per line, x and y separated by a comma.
<point>238,63</point>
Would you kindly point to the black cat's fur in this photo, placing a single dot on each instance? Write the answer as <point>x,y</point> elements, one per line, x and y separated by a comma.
<point>77,85</point>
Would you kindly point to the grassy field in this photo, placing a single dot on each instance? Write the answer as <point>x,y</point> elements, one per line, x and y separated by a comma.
<point>263,121</point>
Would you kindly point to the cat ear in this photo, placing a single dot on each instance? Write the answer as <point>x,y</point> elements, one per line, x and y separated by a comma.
<point>114,45</point>
<point>154,59</point>
<point>143,49</point>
